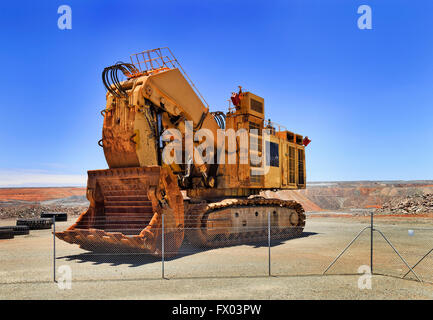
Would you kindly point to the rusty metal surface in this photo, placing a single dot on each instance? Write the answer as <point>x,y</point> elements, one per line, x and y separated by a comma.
<point>126,206</point>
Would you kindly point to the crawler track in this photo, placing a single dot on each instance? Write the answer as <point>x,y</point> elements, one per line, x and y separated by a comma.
<point>236,221</point>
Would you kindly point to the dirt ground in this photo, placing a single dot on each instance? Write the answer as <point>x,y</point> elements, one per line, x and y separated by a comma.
<point>39,194</point>
<point>239,272</point>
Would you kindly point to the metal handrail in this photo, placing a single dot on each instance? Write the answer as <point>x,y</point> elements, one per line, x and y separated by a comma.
<point>145,60</point>
<point>275,125</point>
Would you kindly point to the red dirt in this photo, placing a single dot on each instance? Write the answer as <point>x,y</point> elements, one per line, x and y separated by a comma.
<point>376,216</point>
<point>421,215</point>
<point>330,215</point>
<point>39,194</point>
<point>306,203</point>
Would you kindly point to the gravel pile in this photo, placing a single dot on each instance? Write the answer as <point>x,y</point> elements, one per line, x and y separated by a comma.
<point>35,210</point>
<point>417,204</point>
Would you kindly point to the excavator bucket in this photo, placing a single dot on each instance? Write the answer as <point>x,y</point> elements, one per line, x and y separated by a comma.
<point>126,210</point>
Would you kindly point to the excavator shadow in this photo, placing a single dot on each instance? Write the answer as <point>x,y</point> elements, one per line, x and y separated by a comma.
<point>114,259</point>
<point>278,242</point>
<point>140,259</point>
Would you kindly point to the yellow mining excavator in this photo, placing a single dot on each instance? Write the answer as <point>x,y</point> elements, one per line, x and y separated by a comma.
<point>211,196</point>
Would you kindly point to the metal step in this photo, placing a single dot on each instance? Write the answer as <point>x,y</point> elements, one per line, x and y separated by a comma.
<point>130,203</point>
<point>125,210</point>
<point>126,198</point>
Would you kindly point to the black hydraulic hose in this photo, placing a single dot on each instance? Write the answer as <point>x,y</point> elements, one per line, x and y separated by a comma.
<point>220,118</point>
<point>110,77</point>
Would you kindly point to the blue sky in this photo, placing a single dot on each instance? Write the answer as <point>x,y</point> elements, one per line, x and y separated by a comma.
<point>364,97</point>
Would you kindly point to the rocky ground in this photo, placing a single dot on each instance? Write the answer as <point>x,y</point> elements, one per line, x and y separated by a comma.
<point>416,204</point>
<point>356,198</point>
<point>31,202</point>
<point>363,194</point>
<point>35,210</point>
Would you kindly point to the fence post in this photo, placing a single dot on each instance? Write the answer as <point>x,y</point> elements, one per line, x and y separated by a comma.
<point>371,242</point>
<point>162,246</point>
<point>54,249</point>
<point>269,243</point>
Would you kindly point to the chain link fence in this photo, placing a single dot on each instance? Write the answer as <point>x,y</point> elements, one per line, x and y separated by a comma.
<point>327,245</point>
<point>415,245</point>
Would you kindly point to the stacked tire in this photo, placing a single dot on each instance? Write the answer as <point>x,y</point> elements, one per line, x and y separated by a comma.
<point>58,216</point>
<point>36,224</point>
<point>7,233</point>
<point>21,230</point>
<point>24,225</point>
